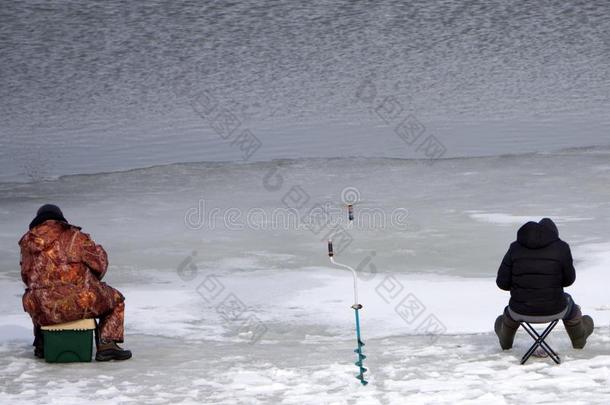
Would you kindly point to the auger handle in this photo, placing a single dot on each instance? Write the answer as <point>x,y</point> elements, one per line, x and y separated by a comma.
<point>343,266</point>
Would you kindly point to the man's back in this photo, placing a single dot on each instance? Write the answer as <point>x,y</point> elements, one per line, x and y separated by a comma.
<point>56,253</point>
<point>536,268</point>
<point>61,267</point>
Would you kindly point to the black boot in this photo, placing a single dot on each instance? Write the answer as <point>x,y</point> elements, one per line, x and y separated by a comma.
<point>506,329</point>
<point>38,342</point>
<point>111,351</point>
<point>579,330</point>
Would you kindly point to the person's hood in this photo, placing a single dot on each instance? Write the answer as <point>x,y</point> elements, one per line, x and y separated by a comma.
<point>45,213</point>
<point>536,235</point>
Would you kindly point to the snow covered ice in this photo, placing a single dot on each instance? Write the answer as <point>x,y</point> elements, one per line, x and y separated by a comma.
<point>446,257</point>
<point>230,296</point>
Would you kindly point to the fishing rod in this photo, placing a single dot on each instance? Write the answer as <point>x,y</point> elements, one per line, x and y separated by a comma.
<point>356,307</point>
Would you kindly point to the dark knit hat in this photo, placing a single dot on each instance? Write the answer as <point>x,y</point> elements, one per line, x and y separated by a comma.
<point>47,212</point>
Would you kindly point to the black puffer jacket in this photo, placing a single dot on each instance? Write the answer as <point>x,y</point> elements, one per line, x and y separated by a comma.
<point>536,268</point>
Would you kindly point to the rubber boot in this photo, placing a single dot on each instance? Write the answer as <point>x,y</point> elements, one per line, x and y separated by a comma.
<point>38,342</point>
<point>506,329</point>
<point>111,351</point>
<point>579,330</point>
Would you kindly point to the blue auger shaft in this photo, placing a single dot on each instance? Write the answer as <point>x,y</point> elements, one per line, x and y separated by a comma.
<point>358,325</point>
<point>361,356</point>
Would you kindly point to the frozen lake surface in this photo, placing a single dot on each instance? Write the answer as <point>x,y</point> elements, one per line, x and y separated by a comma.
<point>181,242</point>
<point>455,369</point>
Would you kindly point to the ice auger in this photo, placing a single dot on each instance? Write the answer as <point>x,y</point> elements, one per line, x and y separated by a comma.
<point>356,307</point>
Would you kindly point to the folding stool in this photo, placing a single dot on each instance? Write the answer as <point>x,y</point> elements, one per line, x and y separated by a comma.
<point>539,339</point>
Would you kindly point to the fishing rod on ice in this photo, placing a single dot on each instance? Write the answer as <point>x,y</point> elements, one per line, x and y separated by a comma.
<point>356,307</point>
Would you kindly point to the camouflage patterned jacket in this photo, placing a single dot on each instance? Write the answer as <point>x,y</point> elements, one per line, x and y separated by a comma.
<point>62,268</point>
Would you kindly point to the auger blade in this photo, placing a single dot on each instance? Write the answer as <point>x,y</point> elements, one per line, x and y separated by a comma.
<point>362,380</point>
<point>361,357</point>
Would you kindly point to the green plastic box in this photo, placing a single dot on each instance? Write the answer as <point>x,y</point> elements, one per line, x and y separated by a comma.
<point>68,343</point>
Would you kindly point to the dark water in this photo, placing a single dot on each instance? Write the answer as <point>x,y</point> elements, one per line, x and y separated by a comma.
<point>107,85</point>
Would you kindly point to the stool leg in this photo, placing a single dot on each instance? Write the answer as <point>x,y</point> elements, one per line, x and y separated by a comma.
<point>532,332</point>
<point>528,328</point>
<point>545,346</point>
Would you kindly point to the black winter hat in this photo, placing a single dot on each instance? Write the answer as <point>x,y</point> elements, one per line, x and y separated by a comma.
<point>47,212</point>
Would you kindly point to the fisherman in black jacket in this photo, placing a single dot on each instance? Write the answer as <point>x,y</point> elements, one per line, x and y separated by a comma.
<point>535,269</point>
